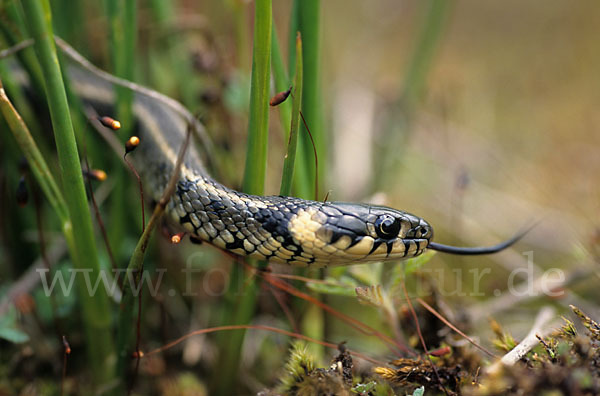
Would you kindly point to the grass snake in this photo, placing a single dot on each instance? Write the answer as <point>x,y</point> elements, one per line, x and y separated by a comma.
<point>274,228</point>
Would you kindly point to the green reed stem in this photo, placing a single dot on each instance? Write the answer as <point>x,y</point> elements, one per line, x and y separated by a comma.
<point>308,22</point>
<point>244,300</point>
<point>95,308</point>
<point>122,20</point>
<point>69,21</point>
<point>282,82</point>
<point>134,275</point>
<point>306,19</point>
<point>258,125</point>
<point>16,32</point>
<point>287,176</point>
<point>35,159</point>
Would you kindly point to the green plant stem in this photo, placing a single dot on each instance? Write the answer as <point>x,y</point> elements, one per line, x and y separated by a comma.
<point>134,273</point>
<point>122,20</point>
<point>35,159</point>
<point>308,20</point>
<point>282,82</point>
<point>258,125</point>
<point>287,176</point>
<point>13,36</point>
<point>24,107</point>
<point>66,12</point>
<point>96,316</point>
<point>244,301</point>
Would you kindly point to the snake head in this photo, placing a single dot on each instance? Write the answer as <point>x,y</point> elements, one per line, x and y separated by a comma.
<point>338,232</point>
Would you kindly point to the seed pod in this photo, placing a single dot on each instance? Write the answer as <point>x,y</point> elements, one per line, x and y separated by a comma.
<point>280,97</point>
<point>22,192</point>
<point>66,345</point>
<point>441,351</point>
<point>131,144</point>
<point>175,239</point>
<point>110,123</point>
<point>95,174</point>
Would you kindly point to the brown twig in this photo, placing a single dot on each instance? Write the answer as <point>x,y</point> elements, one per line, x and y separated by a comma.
<point>66,352</point>
<point>258,327</point>
<point>158,211</point>
<point>16,48</point>
<point>284,307</point>
<point>314,147</point>
<point>450,325</point>
<point>360,326</point>
<point>140,186</point>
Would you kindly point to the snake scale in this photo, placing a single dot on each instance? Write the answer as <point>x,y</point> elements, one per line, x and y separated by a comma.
<point>274,228</point>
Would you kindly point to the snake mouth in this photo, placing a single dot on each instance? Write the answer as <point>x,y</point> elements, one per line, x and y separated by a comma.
<point>411,247</point>
<point>369,249</point>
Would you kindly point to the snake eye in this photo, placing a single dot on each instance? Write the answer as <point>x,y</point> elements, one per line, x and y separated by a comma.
<point>387,227</point>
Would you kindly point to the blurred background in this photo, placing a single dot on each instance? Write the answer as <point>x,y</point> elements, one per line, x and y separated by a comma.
<point>481,117</point>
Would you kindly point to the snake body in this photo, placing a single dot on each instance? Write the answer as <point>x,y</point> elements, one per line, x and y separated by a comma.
<point>274,228</point>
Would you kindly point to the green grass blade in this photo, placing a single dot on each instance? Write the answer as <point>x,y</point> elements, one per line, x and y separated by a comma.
<point>308,19</point>
<point>95,308</point>
<point>242,303</point>
<point>282,82</point>
<point>14,34</point>
<point>258,125</point>
<point>135,273</point>
<point>122,20</point>
<point>35,159</point>
<point>290,157</point>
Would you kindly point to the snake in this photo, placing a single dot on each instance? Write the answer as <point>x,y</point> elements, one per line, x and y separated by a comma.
<point>277,229</point>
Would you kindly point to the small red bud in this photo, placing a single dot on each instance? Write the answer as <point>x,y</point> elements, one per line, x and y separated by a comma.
<point>175,239</point>
<point>280,97</point>
<point>95,174</point>
<point>66,345</point>
<point>132,144</point>
<point>110,123</point>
